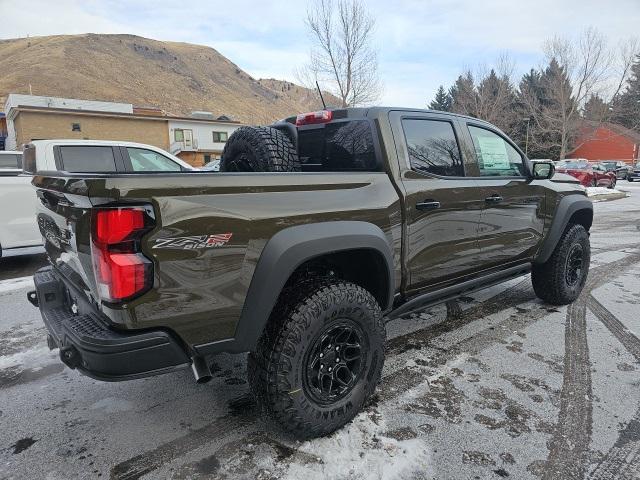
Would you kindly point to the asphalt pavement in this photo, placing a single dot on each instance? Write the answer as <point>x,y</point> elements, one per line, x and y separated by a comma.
<point>493,385</point>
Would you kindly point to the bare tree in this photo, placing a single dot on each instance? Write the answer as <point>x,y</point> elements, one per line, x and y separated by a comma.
<point>622,62</point>
<point>496,93</point>
<point>343,56</point>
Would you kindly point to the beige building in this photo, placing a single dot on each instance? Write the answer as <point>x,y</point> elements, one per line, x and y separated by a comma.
<point>197,139</point>
<point>36,123</point>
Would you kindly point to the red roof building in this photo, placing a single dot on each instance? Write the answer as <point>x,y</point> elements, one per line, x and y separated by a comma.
<point>607,141</point>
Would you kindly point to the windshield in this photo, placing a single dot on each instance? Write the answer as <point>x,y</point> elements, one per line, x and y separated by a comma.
<point>579,165</point>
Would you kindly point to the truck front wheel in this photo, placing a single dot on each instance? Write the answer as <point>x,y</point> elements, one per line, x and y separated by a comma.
<point>560,279</point>
<point>320,358</point>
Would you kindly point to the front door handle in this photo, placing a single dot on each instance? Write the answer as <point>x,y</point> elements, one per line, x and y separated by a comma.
<point>495,198</point>
<point>428,205</point>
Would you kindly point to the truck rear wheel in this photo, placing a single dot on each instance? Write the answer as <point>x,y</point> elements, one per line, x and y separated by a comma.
<point>320,358</point>
<point>560,279</point>
<point>259,149</point>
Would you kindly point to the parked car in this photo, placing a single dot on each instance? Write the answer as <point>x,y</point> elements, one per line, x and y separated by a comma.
<point>634,173</point>
<point>101,156</point>
<point>18,227</point>
<point>620,168</point>
<point>589,175</point>
<point>378,212</point>
<point>557,177</point>
<point>212,166</point>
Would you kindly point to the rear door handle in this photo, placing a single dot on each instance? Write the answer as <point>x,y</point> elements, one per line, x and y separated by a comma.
<point>493,199</point>
<point>428,205</point>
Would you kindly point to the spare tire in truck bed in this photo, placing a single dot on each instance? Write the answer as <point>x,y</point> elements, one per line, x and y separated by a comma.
<point>259,149</point>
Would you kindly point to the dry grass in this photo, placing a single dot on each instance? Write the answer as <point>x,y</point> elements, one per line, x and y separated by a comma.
<point>177,77</point>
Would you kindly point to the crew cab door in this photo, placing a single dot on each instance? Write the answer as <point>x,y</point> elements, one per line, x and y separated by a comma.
<point>441,205</point>
<point>511,224</point>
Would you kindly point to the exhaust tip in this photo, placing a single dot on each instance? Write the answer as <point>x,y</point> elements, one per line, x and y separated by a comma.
<point>201,370</point>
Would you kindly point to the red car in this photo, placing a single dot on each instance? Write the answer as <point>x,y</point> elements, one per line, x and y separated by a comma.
<point>590,175</point>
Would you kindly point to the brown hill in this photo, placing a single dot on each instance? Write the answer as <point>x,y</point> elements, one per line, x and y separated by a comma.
<point>177,77</point>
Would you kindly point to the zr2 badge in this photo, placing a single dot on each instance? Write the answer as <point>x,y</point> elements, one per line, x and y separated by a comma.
<point>194,242</point>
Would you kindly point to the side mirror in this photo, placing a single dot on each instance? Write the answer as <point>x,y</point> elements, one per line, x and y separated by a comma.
<point>543,170</point>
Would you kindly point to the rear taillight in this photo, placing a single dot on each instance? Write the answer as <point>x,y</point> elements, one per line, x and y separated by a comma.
<point>121,270</point>
<point>311,118</point>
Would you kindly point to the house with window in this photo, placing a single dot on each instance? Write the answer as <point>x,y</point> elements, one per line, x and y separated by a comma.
<point>200,138</point>
<point>3,130</point>
<point>196,139</point>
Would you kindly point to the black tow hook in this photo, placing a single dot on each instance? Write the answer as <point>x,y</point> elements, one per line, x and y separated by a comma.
<point>70,356</point>
<point>32,296</point>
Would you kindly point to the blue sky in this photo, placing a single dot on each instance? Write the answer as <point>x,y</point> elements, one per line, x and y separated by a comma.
<point>421,43</point>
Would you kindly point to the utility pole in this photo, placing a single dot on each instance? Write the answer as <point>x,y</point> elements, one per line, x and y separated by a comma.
<point>526,142</point>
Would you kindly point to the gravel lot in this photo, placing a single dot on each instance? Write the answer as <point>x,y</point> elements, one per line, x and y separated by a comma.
<point>492,385</point>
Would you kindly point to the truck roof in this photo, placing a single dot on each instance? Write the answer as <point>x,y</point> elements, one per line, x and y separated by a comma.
<point>375,111</point>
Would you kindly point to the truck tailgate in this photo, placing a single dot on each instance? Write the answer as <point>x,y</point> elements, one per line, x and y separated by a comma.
<point>64,219</point>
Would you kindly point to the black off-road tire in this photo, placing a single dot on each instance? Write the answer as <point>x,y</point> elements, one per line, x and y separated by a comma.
<point>551,280</point>
<point>259,149</point>
<point>278,368</point>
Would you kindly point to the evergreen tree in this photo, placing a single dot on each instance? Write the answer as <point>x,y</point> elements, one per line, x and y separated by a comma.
<point>596,109</point>
<point>442,100</point>
<point>545,102</point>
<point>560,104</point>
<point>463,94</point>
<point>626,106</point>
<point>495,101</point>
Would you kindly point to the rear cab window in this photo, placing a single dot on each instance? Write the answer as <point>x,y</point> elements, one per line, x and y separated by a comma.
<point>342,146</point>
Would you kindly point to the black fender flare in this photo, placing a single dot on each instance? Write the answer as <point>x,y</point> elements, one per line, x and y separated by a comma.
<point>281,256</point>
<point>566,208</point>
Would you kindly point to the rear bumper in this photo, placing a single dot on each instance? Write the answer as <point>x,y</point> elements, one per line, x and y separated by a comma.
<point>88,344</point>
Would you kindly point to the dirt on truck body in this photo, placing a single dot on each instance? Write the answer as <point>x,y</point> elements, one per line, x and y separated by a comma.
<point>316,228</point>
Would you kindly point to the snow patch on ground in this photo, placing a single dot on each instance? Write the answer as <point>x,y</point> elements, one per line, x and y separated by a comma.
<point>35,358</point>
<point>112,405</point>
<point>15,284</point>
<point>362,451</point>
<point>604,191</point>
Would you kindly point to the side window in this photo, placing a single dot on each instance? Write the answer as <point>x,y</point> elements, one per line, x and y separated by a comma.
<point>87,159</point>
<point>10,161</point>
<point>143,160</point>
<point>496,157</point>
<point>433,147</point>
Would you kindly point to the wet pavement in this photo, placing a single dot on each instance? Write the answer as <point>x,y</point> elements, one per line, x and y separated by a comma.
<point>493,385</point>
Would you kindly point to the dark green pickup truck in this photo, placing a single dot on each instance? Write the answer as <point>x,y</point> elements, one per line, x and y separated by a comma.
<point>317,229</point>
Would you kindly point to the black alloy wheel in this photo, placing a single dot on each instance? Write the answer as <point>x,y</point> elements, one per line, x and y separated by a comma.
<point>334,362</point>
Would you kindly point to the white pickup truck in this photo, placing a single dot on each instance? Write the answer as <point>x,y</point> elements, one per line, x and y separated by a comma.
<point>18,227</point>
